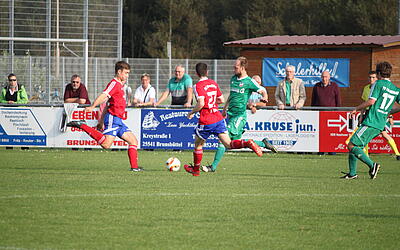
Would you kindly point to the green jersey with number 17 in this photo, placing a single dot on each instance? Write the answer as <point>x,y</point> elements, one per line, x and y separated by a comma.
<point>385,94</point>
<point>240,91</point>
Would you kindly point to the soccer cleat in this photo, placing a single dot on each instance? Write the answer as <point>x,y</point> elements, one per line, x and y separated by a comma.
<point>269,145</point>
<point>190,170</point>
<point>398,157</point>
<point>251,144</point>
<point>349,177</point>
<point>76,124</point>
<point>207,169</point>
<point>138,169</point>
<point>374,170</point>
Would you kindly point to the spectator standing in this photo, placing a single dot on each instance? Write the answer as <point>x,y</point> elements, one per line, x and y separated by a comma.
<point>326,93</point>
<point>255,97</point>
<point>75,92</point>
<point>367,88</point>
<point>13,92</point>
<point>145,95</point>
<point>290,91</point>
<point>180,87</point>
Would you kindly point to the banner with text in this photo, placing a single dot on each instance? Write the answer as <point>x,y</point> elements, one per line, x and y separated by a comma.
<point>170,129</point>
<point>20,126</point>
<point>307,69</point>
<point>295,131</point>
<point>286,130</point>
<point>337,126</point>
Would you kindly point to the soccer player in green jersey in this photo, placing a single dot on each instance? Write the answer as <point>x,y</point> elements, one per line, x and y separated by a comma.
<point>242,86</point>
<point>383,95</point>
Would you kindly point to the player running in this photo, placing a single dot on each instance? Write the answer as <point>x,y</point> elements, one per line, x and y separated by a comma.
<point>383,95</point>
<point>389,121</point>
<point>111,118</point>
<point>211,121</point>
<point>242,86</point>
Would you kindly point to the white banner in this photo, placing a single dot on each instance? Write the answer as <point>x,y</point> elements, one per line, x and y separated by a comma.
<point>286,130</point>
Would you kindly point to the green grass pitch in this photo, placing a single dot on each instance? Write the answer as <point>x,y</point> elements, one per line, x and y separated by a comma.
<point>64,199</point>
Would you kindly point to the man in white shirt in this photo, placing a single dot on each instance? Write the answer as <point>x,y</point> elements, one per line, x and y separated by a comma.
<point>145,95</point>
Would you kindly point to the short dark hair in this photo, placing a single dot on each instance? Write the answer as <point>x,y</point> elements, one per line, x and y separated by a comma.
<point>121,65</point>
<point>10,75</point>
<point>372,72</point>
<point>243,62</point>
<point>384,69</point>
<point>201,69</point>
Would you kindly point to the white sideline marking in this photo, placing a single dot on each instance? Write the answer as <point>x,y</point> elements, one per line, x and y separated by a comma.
<point>196,194</point>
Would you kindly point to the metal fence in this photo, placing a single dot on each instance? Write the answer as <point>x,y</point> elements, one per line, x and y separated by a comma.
<point>47,88</point>
<point>98,21</point>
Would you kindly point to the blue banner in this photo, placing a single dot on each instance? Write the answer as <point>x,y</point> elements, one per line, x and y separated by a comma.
<point>307,69</point>
<point>170,129</point>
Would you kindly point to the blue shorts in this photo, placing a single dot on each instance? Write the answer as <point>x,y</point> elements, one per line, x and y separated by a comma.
<point>114,126</point>
<point>204,131</point>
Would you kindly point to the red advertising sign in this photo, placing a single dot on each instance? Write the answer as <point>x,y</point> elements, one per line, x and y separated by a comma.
<point>337,126</point>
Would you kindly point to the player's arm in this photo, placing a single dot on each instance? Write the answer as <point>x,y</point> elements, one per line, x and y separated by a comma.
<point>163,96</point>
<point>220,99</point>
<point>197,108</point>
<point>103,110</point>
<point>364,105</point>
<point>99,100</point>
<point>225,109</point>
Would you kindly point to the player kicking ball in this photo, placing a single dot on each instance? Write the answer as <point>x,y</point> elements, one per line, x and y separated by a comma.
<point>211,121</point>
<point>382,97</point>
<point>241,87</point>
<point>111,119</point>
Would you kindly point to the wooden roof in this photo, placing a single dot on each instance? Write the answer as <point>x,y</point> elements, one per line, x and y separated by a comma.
<point>320,41</point>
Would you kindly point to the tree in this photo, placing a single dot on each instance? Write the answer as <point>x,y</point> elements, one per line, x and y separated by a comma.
<point>188,28</point>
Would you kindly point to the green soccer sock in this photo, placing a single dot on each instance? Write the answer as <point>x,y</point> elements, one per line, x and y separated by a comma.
<point>359,153</point>
<point>218,156</point>
<point>352,164</point>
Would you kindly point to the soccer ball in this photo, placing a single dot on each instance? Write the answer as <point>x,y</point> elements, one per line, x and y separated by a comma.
<point>173,164</point>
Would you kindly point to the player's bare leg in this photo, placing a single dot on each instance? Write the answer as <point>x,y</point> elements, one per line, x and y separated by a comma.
<point>92,132</point>
<point>236,144</point>
<point>130,138</point>
<point>108,141</point>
